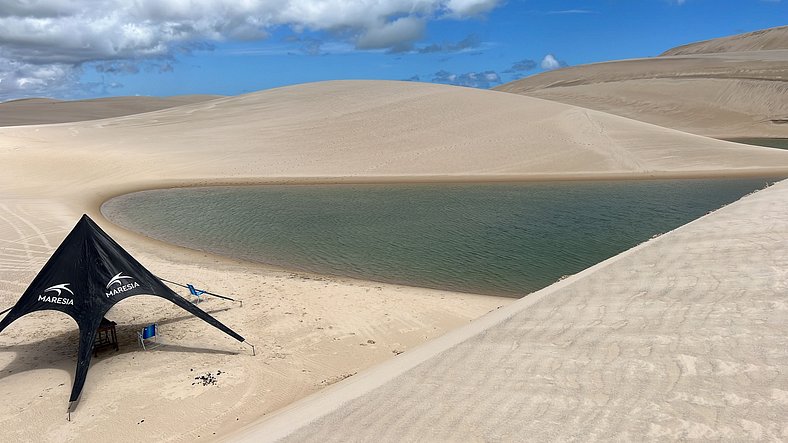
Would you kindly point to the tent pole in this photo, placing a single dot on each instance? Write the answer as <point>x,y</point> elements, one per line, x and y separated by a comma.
<point>253,353</point>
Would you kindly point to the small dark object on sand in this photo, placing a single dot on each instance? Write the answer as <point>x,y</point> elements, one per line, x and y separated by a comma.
<point>207,379</point>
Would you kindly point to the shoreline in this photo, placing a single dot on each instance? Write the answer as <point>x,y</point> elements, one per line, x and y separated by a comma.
<point>94,204</point>
<point>655,393</point>
<point>148,185</point>
<point>421,313</point>
<point>394,317</point>
<point>366,181</point>
<point>300,414</point>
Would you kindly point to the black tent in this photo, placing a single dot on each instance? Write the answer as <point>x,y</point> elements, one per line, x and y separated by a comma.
<point>84,278</point>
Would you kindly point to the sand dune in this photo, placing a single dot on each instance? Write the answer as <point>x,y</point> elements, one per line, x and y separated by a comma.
<point>724,95</point>
<point>762,40</point>
<point>681,338</point>
<point>310,331</point>
<point>37,111</point>
<point>361,129</point>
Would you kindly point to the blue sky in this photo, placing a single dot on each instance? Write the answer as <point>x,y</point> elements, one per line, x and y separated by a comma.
<point>167,47</point>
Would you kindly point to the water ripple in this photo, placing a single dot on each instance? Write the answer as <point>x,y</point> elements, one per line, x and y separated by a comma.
<point>503,239</point>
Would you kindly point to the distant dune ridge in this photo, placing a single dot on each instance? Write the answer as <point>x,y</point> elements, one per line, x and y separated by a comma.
<point>357,129</point>
<point>762,40</point>
<point>743,93</point>
<point>37,111</point>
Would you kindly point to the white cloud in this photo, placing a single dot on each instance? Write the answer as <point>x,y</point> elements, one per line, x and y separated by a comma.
<point>549,62</point>
<point>400,32</point>
<point>521,66</point>
<point>27,79</point>
<point>63,36</point>
<point>466,8</point>
<point>482,80</point>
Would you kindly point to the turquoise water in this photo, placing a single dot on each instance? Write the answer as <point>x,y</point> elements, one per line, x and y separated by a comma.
<point>502,239</point>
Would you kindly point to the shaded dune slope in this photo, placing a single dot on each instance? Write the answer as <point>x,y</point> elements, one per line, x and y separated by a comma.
<point>38,111</point>
<point>724,95</point>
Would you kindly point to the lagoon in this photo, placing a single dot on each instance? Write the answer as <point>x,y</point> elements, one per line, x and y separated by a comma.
<point>501,238</point>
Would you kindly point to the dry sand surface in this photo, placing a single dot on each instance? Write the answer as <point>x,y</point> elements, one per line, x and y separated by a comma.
<point>681,338</point>
<point>722,95</point>
<point>36,111</point>
<point>310,331</point>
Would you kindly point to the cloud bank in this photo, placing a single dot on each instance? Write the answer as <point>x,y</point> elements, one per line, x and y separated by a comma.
<point>549,62</point>
<point>470,42</point>
<point>482,80</point>
<point>521,66</point>
<point>45,44</point>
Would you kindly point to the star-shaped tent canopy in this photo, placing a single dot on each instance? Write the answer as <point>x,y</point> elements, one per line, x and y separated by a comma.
<point>88,273</point>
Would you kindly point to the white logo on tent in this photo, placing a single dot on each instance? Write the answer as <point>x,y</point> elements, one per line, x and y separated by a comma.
<point>117,280</point>
<point>58,289</point>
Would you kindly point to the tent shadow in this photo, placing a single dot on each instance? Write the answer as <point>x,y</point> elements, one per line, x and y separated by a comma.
<point>138,326</point>
<point>166,347</point>
<point>60,351</point>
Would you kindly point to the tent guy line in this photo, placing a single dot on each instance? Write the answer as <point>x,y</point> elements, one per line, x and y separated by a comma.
<point>204,292</point>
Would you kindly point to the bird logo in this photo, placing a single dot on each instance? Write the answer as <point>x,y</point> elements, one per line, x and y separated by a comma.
<point>117,279</point>
<point>59,289</point>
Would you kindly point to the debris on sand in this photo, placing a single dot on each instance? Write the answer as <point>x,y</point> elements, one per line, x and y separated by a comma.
<point>207,379</point>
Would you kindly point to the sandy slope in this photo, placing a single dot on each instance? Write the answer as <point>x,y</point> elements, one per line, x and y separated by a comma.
<point>357,129</point>
<point>310,331</point>
<point>680,338</point>
<point>733,94</point>
<point>36,111</point>
<point>762,40</point>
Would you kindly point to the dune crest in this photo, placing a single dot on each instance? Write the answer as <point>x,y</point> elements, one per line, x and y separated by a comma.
<point>722,95</point>
<point>357,129</point>
<point>39,111</point>
<point>762,40</point>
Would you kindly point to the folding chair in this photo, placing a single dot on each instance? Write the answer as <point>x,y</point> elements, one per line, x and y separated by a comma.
<point>195,292</point>
<point>151,334</point>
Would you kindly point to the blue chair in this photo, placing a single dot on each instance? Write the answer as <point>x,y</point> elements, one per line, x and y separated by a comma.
<point>151,334</point>
<point>195,292</point>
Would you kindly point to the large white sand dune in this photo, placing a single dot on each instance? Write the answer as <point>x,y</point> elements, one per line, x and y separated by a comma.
<point>724,95</point>
<point>363,129</point>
